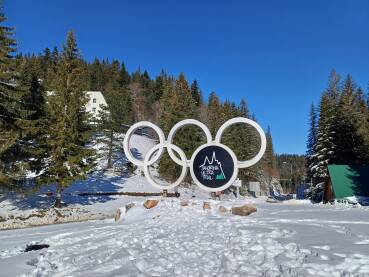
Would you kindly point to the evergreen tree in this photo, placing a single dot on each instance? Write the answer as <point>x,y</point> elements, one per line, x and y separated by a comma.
<point>177,104</point>
<point>124,75</point>
<point>55,56</point>
<point>159,85</point>
<point>346,138</point>
<point>312,141</point>
<point>13,109</point>
<point>343,128</point>
<point>45,62</point>
<point>214,118</point>
<point>96,76</point>
<point>30,74</point>
<point>269,163</point>
<point>248,145</point>
<point>326,150</point>
<point>360,118</point>
<point>114,118</point>
<point>230,136</point>
<point>196,93</point>
<point>66,157</point>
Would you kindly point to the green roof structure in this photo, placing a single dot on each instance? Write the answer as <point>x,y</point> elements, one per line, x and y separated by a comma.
<point>349,180</point>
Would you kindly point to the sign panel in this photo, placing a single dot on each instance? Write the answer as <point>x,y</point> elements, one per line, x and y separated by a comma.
<point>213,167</point>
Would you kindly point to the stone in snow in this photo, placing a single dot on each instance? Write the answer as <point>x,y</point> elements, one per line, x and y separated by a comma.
<point>244,210</point>
<point>206,206</point>
<point>222,209</point>
<point>150,203</point>
<point>184,203</point>
<point>122,210</point>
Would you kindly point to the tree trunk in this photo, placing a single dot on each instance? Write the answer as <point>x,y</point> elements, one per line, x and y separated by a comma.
<point>110,153</point>
<point>58,200</point>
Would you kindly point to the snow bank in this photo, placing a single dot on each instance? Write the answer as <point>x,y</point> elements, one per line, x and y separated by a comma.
<point>47,216</point>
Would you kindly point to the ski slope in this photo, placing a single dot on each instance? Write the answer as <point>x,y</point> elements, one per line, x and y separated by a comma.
<point>169,240</point>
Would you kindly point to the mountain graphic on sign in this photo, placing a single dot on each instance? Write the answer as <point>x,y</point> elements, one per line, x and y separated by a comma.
<point>212,167</point>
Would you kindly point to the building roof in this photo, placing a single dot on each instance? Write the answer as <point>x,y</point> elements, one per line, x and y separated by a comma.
<point>349,180</point>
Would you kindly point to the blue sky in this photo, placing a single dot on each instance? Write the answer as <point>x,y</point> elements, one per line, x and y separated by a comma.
<point>275,54</point>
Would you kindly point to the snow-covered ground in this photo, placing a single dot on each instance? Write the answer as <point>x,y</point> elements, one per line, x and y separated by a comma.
<point>18,210</point>
<point>287,239</point>
<point>292,238</point>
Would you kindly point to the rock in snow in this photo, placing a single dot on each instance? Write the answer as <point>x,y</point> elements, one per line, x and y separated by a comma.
<point>184,203</point>
<point>206,206</point>
<point>222,209</point>
<point>244,210</point>
<point>150,203</point>
<point>122,210</point>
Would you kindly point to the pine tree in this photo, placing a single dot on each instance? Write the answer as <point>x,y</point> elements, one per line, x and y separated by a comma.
<point>51,69</point>
<point>66,158</point>
<point>269,163</point>
<point>248,143</point>
<point>343,128</point>
<point>96,76</point>
<point>13,109</point>
<point>361,123</point>
<point>45,62</point>
<point>346,138</point>
<point>177,104</point>
<point>196,93</point>
<point>55,56</point>
<point>312,141</point>
<point>113,118</point>
<point>30,79</point>
<point>230,136</point>
<point>159,85</point>
<point>124,75</point>
<point>326,150</point>
<point>214,117</point>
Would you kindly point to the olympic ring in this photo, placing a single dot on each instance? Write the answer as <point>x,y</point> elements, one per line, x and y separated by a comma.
<point>128,136</point>
<point>259,155</point>
<point>183,123</point>
<point>183,160</point>
<point>214,166</point>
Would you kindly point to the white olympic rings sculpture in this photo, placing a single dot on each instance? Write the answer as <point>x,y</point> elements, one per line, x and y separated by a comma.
<point>151,157</point>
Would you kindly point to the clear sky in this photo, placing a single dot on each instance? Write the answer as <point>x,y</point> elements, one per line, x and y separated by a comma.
<point>275,54</point>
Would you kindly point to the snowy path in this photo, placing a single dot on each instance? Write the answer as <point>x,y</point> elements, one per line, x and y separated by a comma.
<point>170,240</point>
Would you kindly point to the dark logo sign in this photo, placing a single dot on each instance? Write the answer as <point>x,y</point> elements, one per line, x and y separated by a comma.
<point>213,166</point>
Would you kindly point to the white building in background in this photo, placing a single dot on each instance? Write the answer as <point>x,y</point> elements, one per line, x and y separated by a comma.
<point>95,102</point>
